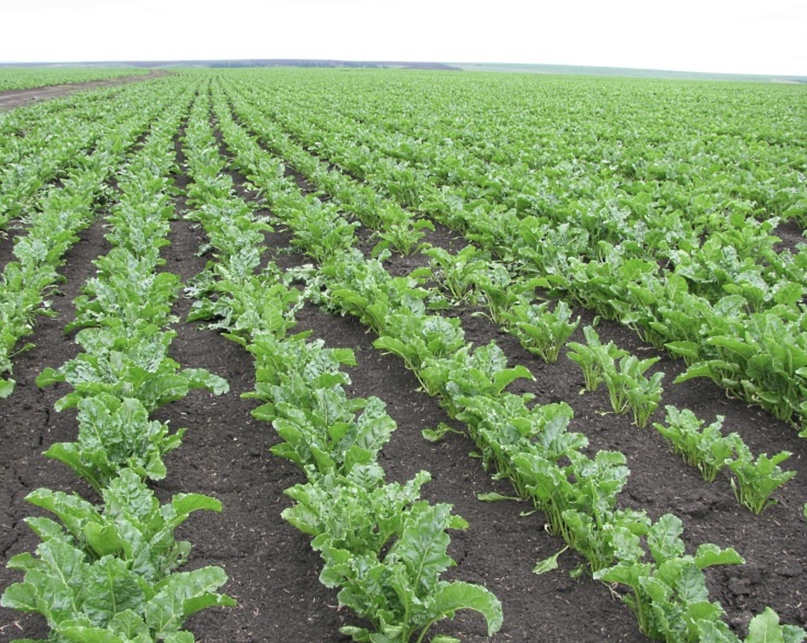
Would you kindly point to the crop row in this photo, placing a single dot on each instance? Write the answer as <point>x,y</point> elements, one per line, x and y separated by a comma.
<point>54,222</point>
<point>370,533</point>
<point>106,572</point>
<point>23,78</point>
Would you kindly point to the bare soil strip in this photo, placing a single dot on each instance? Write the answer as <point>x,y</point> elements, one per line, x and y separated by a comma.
<point>20,97</point>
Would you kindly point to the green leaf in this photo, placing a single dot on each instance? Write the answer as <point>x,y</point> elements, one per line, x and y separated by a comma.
<point>111,588</point>
<point>435,435</point>
<point>709,554</point>
<point>548,564</point>
<point>49,376</point>
<point>459,595</point>
<point>789,293</point>
<point>503,378</point>
<point>6,387</point>
<point>495,497</point>
<point>181,595</point>
<point>90,635</point>
<point>21,596</point>
<point>104,539</point>
<point>765,628</point>
<point>185,503</point>
<point>202,378</point>
<point>664,539</point>
<point>717,632</point>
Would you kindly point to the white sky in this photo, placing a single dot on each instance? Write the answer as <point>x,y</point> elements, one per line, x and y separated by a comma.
<point>735,36</point>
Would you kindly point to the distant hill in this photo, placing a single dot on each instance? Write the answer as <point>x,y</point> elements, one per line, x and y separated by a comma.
<point>580,70</point>
<point>561,70</point>
<point>258,62</point>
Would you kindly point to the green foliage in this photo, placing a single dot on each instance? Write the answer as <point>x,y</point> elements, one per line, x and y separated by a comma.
<point>607,226</point>
<point>629,388</point>
<point>115,434</point>
<point>594,357</point>
<point>502,292</point>
<point>703,447</point>
<point>133,526</point>
<point>104,600</point>
<point>417,339</point>
<point>482,373</point>
<point>457,274</point>
<point>540,330</point>
<point>110,573</point>
<point>382,546</point>
<point>403,235</point>
<point>386,551</point>
<point>755,480</point>
<point>669,594</point>
<point>128,363</point>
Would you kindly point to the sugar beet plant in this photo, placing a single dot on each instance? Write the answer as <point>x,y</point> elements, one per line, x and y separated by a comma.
<point>107,574</point>
<point>755,480</point>
<point>701,446</point>
<point>542,331</point>
<point>623,374</point>
<point>670,597</point>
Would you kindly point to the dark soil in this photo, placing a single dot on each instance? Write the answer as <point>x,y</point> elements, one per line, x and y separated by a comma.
<point>273,571</point>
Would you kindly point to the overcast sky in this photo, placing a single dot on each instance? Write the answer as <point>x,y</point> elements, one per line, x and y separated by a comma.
<point>737,36</point>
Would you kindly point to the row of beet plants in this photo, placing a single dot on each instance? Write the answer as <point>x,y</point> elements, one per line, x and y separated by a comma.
<point>106,571</point>
<point>43,143</point>
<point>52,227</point>
<point>753,480</point>
<point>527,444</point>
<point>472,276</point>
<point>414,168</point>
<point>395,227</point>
<point>722,305</point>
<point>371,534</point>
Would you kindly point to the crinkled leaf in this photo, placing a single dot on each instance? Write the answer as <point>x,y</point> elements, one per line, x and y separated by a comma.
<point>664,540</point>
<point>709,554</point>
<point>765,628</point>
<point>112,588</point>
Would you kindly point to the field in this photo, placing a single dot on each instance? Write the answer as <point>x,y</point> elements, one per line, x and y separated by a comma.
<point>542,275</point>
